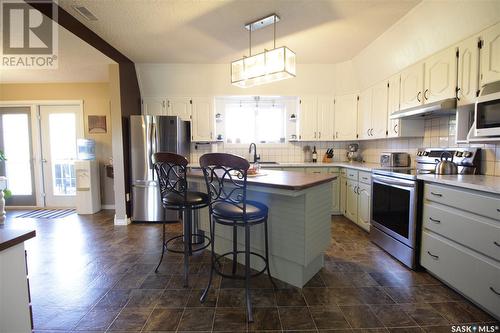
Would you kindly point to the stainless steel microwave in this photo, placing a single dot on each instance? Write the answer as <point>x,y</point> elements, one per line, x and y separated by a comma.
<point>487,115</point>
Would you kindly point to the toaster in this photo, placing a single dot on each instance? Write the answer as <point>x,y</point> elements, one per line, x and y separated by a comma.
<point>395,160</point>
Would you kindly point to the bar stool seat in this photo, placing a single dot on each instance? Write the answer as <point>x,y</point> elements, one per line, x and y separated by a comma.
<point>255,211</point>
<point>177,201</point>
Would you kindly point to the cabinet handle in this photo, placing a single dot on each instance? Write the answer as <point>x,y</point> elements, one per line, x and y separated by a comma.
<point>496,243</point>
<point>336,135</point>
<point>437,194</point>
<point>418,96</point>
<point>368,132</point>
<point>211,136</point>
<point>364,178</point>
<point>435,257</point>
<point>434,220</point>
<point>396,128</point>
<point>457,93</point>
<point>493,290</point>
<point>319,133</point>
<point>425,93</point>
<point>371,132</point>
<point>315,135</point>
<point>498,209</point>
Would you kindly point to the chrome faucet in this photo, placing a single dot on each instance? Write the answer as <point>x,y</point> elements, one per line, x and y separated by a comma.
<point>255,156</point>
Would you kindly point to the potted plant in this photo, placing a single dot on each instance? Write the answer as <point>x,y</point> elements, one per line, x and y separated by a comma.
<point>6,192</point>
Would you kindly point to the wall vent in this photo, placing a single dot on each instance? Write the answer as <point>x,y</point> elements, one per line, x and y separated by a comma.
<point>83,11</point>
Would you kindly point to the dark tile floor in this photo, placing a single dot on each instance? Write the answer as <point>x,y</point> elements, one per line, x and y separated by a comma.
<point>87,275</point>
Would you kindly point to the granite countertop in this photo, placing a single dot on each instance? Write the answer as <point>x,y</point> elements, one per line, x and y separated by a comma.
<point>12,237</point>
<point>352,165</point>
<point>284,180</point>
<point>483,183</point>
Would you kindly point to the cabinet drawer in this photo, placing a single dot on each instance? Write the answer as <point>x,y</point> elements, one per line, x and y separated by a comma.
<point>317,170</point>
<point>476,232</point>
<point>473,201</point>
<point>333,170</point>
<point>476,277</point>
<point>352,174</point>
<point>365,177</point>
<point>343,172</point>
<point>294,169</point>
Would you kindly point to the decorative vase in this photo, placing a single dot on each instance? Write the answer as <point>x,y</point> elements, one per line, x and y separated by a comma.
<point>3,186</point>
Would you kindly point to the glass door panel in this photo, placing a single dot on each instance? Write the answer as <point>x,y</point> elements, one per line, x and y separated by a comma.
<point>15,142</point>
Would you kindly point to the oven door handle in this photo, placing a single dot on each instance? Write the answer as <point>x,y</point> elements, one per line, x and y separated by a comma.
<point>393,181</point>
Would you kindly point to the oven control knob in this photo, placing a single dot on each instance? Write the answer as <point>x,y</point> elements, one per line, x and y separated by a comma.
<point>458,154</point>
<point>467,154</point>
<point>425,153</point>
<point>419,153</point>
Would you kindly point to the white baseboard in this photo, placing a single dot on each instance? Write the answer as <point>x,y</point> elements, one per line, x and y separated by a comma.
<point>108,207</point>
<point>125,221</point>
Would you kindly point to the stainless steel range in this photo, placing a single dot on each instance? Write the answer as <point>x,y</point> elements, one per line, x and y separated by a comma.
<point>397,200</point>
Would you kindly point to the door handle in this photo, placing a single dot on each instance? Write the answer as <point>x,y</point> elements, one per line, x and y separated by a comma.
<point>44,160</point>
<point>425,94</point>
<point>396,128</point>
<point>418,96</point>
<point>435,257</point>
<point>319,134</point>
<point>457,93</point>
<point>315,135</point>
<point>371,132</point>
<point>436,194</point>
<point>493,290</point>
<point>368,132</point>
<point>496,243</point>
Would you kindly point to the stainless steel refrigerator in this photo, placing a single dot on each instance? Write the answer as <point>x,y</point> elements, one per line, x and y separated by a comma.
<point>148,135</point>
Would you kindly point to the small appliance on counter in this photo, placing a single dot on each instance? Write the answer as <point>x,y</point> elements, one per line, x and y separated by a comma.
<point>395,160</point>
<point>353,153</point>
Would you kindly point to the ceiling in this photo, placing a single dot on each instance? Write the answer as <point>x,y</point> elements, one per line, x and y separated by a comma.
<point>194,31</point>
<point>78,62</point>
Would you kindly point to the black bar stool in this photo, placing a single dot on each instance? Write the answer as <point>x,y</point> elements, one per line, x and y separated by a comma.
<point>226,180</point>
<point>171,170</point>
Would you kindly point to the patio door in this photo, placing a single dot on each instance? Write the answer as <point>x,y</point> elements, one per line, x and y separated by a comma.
<point>60,126</point>
<point>16,143</point>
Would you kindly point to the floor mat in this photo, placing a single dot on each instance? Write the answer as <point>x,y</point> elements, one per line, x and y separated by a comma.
<point>48,213</point>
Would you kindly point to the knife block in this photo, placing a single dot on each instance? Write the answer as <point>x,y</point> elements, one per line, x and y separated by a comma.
<point>326,159</point>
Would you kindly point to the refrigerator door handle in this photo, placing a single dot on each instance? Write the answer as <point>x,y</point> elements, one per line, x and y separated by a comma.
<point>151,148</point>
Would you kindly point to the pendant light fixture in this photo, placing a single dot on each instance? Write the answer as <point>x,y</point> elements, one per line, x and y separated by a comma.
<point>265,67</point>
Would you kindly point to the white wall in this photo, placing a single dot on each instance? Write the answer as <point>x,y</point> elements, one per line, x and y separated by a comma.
<point>214,79</point>
<point>429,27</point>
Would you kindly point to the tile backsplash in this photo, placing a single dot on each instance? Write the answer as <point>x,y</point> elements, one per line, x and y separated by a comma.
<point>439,132</point>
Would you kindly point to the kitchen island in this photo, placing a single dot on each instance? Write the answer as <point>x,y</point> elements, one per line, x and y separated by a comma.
<point>299,222</point>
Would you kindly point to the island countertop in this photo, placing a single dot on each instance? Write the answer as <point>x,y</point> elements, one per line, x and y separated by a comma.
<point>12,237</point>
<point>285,180</point>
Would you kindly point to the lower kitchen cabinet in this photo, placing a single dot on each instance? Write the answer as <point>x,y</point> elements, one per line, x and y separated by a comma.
<point>343,194</point>
<point>351,203</point>
<point>364,203</point>
<point>335,186</point>
<point>461,232</point>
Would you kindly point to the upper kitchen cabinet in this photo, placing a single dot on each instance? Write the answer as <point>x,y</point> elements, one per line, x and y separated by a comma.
<point>440,76</point>
<point>180,106</point>
<point>372,112</point>
<point>308,118</point>
<point>203,120</point>
<point>490,55</point>
<point>379,110</point>
<point>154,106</point>
<point>400,127</point>
<point>346,116</point>
<point>468,71</point>
<point>325,118</point>
<point>412,85</point>
<point>365,114</point>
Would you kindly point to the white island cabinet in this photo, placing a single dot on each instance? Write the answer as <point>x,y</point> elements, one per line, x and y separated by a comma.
<point>15,307</point>
<point>461,241</point>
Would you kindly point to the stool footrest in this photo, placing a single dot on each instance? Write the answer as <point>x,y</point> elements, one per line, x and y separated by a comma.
<point>236,276</point>
<point>169,244</point>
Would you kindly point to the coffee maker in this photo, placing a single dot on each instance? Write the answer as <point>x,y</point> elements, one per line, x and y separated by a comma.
<point>353,153</point>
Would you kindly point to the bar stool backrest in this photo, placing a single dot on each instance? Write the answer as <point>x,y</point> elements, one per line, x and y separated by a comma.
<point>226,179</point>
<point>171,171</point>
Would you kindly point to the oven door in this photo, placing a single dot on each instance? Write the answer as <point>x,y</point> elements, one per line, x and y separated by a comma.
<point>394,207</point>
<point>487,113</point>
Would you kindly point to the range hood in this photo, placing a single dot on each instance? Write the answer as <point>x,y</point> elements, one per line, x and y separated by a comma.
<point>436,109</point>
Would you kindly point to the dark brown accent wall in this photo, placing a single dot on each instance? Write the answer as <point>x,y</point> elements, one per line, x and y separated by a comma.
<point>130,96</point>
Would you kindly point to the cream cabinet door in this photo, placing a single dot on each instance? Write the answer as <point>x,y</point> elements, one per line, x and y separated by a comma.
<point>346,116</point>
<point>440,76</point>
<point>179,106</point>
<point>412,85</point>
<point>379,110</point>
<point>394,88</point>
<point>335,191</point>
<point>365,114</point>
<point>154,106</point>
<point>351,204</point>
<point>364,203</point>
<point>343,193</point>
<point>325,119</point>
<point>490,55</point>
<point>203,122</point>
<point>308,119</point>
<point>468,71</point>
